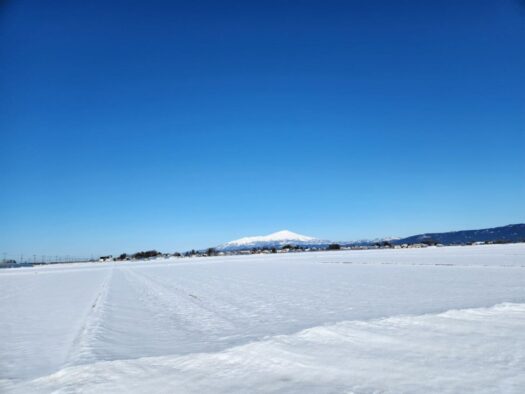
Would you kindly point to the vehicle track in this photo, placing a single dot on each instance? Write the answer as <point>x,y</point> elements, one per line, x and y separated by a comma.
<point>183,305</point>
<point>81,350</point>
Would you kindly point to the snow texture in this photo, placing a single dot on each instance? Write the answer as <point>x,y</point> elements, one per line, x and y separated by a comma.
<point>449,320</point>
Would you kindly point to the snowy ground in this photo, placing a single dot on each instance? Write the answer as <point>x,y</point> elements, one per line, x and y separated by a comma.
<point>430,320</point>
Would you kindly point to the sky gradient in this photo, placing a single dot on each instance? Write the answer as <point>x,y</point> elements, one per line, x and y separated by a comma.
<point>133,125</point>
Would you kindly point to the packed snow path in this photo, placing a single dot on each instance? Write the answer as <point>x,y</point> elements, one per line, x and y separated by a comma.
<point>143,326</point>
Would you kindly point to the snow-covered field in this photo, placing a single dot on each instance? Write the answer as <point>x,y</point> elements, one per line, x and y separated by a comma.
<point>448,320</point>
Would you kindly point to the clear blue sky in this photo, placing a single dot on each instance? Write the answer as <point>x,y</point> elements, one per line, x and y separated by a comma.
<point>130,125</point>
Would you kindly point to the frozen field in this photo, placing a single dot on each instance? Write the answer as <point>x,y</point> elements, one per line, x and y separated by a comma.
<point>448,320</point>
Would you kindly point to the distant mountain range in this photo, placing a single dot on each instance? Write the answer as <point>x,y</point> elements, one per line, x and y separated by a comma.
<point>286,237</point>
<point>510,233</point>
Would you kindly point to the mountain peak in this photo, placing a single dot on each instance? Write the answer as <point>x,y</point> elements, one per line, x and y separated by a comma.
<point>288,235</point>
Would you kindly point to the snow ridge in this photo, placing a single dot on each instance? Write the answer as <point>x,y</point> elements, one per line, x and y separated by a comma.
<point>443,352</point>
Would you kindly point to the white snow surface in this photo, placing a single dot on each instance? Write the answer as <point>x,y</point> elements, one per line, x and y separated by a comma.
<point>448,320</point>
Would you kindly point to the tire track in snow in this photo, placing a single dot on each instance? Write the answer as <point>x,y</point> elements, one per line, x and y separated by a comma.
<point>81,350</point>
<point>254,303</point>
<point>184,306</point>
<point>216,295</point>
<point>223,295</point>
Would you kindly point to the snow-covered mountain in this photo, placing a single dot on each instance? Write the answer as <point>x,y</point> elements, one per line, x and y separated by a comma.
<point>277,239</point>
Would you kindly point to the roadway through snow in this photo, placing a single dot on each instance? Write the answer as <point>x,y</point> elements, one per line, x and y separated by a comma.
<point>69,316</point>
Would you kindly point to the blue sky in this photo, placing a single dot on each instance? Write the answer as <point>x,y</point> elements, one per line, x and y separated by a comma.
<point>131,125</point>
